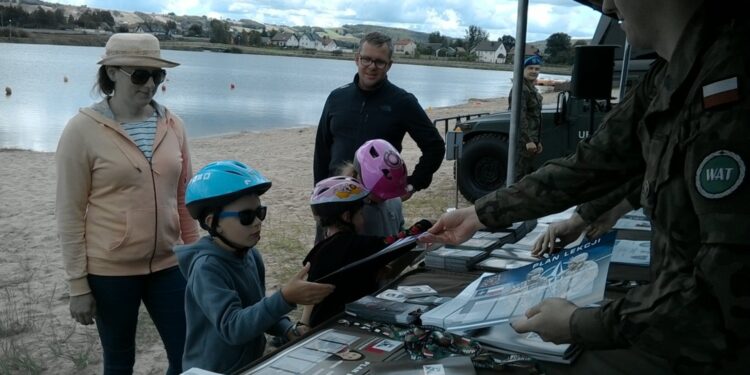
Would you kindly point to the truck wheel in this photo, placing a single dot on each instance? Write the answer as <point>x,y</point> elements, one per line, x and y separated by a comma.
<point>483,165</point>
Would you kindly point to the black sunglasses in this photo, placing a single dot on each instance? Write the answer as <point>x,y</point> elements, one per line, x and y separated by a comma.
<point>141,76</point>
<point>247,216</point>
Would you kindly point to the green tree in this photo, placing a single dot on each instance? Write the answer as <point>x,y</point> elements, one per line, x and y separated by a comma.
<point>474,36</point>
<point>105,16</point>
<point>435,37</point>
<point>559,50</point>
<point>60,17</point>
<point>195,30</point>
<point>254,38</point>
<point>219,32</point>
<point>170,27</point>
<point>43,19</point>
<point>15,15</point>
<point>508,42</point>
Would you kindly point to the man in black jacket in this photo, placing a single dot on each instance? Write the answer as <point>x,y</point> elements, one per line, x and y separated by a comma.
<point>372,107</point>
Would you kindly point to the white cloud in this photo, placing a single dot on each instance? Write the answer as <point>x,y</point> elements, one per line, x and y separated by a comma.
<point>447,21</point>
<point>450,17</point>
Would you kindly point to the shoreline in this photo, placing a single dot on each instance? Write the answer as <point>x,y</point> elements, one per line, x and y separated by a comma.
<point>39,36</point>
<point>471,106</point>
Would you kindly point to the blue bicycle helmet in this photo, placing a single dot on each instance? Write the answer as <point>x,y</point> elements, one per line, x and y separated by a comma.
<point>220,183</point>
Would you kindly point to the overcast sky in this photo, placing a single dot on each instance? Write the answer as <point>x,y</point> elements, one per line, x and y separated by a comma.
<point>450,17</point>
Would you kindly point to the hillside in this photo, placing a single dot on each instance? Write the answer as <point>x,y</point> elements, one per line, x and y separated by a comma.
<point>349,32</point>
<point>395,33</point>
<point>542,44</point>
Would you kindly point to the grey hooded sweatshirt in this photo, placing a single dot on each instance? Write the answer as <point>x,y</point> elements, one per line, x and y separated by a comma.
<point>226,307</point>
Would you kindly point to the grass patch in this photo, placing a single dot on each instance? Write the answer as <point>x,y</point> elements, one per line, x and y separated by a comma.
<point>16,358</point>
<point>13,318</point>
<point>81,349</point>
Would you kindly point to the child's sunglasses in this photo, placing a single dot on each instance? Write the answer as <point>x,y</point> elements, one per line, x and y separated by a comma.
<point>141,76</point>
<point>247,216</point>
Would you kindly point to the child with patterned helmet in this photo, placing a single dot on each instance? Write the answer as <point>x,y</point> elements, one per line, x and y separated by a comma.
<point>337,204</point>
<point>226,306</point>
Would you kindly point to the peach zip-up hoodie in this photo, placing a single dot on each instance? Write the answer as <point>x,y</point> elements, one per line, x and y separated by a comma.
<point>117,214</point>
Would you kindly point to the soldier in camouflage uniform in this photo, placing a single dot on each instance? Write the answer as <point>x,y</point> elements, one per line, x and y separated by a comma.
<point>686,129</point>
<point>529,138</point>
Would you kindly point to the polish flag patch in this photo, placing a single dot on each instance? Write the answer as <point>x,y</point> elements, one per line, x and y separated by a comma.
<point>720,92</point>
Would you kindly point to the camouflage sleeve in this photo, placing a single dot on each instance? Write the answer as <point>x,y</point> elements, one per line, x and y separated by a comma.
<point>529,131</point>
<point>692,315</point>
<point>716,178</point>
<point>600,164</point>
<point>700,311</point>
<point>591,210</point>
<point>611,157</point>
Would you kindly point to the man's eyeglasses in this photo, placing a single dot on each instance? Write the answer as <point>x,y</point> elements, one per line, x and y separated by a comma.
<point>247,216</point>
<point>141,76</point>
<point>367,61</point>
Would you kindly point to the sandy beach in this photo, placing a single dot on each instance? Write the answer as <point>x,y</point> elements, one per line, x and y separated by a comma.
<point>37,335</point>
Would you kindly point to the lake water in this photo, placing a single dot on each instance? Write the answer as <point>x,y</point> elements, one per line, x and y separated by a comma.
<point>270,91</point>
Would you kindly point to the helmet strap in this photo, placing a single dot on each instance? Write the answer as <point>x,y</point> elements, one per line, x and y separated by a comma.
<point>239,250</point>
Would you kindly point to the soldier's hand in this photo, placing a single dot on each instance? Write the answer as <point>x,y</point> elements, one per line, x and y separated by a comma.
<point>531,147</point>
<point>558,235</point>
<point>453,227</point>
<point>83,308</point>
<point>302,292</point>
<point>605,222</point>
<point>550,319</point>
<point>600,226</point>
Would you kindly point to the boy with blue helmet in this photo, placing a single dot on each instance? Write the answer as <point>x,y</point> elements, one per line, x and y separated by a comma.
<point>226,306</point>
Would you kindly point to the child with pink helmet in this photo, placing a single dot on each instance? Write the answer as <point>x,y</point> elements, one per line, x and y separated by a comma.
<point>383,172</point>
<point>337,204</point>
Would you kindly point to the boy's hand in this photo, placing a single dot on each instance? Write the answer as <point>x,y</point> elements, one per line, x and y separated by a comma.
<point>302,292</point>
<point>297,331</point>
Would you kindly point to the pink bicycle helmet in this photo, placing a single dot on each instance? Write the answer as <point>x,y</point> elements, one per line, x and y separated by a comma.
<point>336,195</point>
<point>381,169</point>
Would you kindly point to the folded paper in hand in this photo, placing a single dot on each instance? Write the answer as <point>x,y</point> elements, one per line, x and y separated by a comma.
<point>379,259</point>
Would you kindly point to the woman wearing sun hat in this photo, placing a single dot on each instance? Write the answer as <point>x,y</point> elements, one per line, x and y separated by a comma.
<point>122,168</point>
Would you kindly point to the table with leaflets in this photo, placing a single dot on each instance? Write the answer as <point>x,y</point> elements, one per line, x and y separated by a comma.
<point>373,342</point>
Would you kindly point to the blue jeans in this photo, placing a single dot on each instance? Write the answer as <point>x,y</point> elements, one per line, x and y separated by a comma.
<point>118,299</point>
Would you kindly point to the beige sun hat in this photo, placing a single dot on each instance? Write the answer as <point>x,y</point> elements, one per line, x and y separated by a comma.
<point>137,49</point>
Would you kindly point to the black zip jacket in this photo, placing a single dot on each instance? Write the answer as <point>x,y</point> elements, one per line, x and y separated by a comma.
<point>352,116</point>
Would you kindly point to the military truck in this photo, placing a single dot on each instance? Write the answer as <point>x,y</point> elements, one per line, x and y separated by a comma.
<point>481,167</point>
